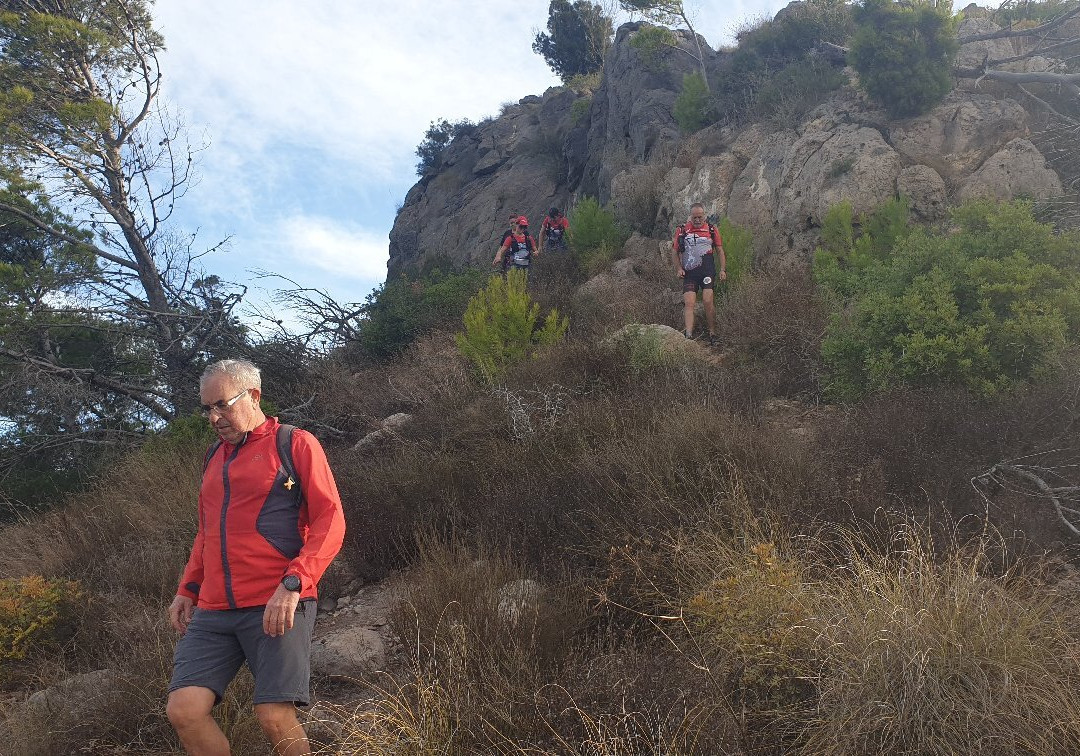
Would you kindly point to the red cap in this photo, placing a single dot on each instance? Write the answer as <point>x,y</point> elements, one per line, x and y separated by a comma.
<point>522,220</point>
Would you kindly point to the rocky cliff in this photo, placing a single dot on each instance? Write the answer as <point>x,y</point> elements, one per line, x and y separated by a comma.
<point>622,145</point>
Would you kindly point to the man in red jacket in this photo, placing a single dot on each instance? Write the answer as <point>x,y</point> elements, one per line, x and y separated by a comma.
<point>248,592</point>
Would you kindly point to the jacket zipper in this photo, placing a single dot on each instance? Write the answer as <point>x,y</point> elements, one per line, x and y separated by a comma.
<point>224,537</point>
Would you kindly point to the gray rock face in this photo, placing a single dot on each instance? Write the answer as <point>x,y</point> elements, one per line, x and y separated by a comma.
<point>973,54</point>
<point>626,150</point>
<point>514,164</point>
<point>709,183</point>
<point>850,163</point>
<point>756,192</point>
<point>1018,170</point>
<point>633,122</point>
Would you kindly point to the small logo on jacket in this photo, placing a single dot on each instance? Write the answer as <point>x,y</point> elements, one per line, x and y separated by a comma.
<point>289,484</point>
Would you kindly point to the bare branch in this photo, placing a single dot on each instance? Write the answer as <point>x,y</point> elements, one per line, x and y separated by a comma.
<point>1024,472</point>
<point>1032,32</point>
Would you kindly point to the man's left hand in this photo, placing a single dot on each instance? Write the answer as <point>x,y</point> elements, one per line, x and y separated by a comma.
<point>279,612</point>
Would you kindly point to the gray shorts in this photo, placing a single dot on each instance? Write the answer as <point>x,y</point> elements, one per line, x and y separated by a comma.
<point>217,642</point>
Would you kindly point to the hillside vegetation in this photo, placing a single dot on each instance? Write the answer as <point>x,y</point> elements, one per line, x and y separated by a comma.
<point>728,565</point>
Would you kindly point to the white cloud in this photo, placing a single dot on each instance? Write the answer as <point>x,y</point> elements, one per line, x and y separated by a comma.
<point>342,250</point>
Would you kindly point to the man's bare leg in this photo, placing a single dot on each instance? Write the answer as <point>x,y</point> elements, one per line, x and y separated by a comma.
<point>689,299</point>
<point>189,711</point>
<point>283,729</point>
<point>710,310</point>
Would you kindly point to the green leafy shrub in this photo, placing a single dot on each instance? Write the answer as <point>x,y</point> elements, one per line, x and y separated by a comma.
<point>785,97</point>
<point>594,235</point>
<point>693,109</point>
<point>586,84</point>
<point>904,54</point>
<point>500,326</point>
<point>36,615</point>
<point>738,250</point>
<point>990,304</point>
<point>399,311</point>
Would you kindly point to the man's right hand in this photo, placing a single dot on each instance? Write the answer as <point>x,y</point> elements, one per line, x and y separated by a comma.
<point>180,611</point>
<point>681,273</point>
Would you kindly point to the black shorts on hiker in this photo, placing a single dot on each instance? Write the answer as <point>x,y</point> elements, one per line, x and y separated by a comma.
<point>701,277</point>
<point>217,642</point>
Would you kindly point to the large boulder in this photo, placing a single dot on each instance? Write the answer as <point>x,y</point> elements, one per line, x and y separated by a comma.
<point>849,163</point>
<point>1017,170</point>
<point>348,651</point>
<point>925,191</point>
<point>78,698</point>
<point>959,135</point>
<point>755,193</point>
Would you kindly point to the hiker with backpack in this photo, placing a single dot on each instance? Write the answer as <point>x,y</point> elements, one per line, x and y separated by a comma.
<point>694,249</point>
<point>517,249</point>
<point>270,522</point>
<point>553,230</point>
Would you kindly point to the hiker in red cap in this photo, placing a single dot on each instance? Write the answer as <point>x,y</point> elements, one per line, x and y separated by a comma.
<point>518,248</point>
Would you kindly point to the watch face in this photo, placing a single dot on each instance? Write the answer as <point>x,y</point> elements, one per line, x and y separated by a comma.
<point>291,583</point>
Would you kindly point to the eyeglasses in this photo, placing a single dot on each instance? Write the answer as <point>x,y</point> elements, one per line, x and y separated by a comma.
<point>222,406</point>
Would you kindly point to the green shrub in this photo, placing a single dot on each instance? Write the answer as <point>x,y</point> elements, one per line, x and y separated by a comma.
<point>904,54</point>
<point>577,38</point>
<point>651,42</point>
<point>738,249</point>
<point>399,311</point>
<point>500,326</point>
<point>785,97</point>
<point>580,110</point>
<point>36,615</point>
<point>990,304</point>
<point>586,84</point>
<point>594,235</point>
<point>693,108</point>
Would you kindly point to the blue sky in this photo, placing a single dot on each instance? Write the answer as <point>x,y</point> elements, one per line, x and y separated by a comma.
<point>313,111</point>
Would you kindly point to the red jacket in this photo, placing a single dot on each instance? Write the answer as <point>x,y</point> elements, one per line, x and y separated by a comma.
<point>251,531</point>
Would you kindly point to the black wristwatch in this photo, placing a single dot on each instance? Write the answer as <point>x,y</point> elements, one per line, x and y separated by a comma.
<point>291,583</point>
